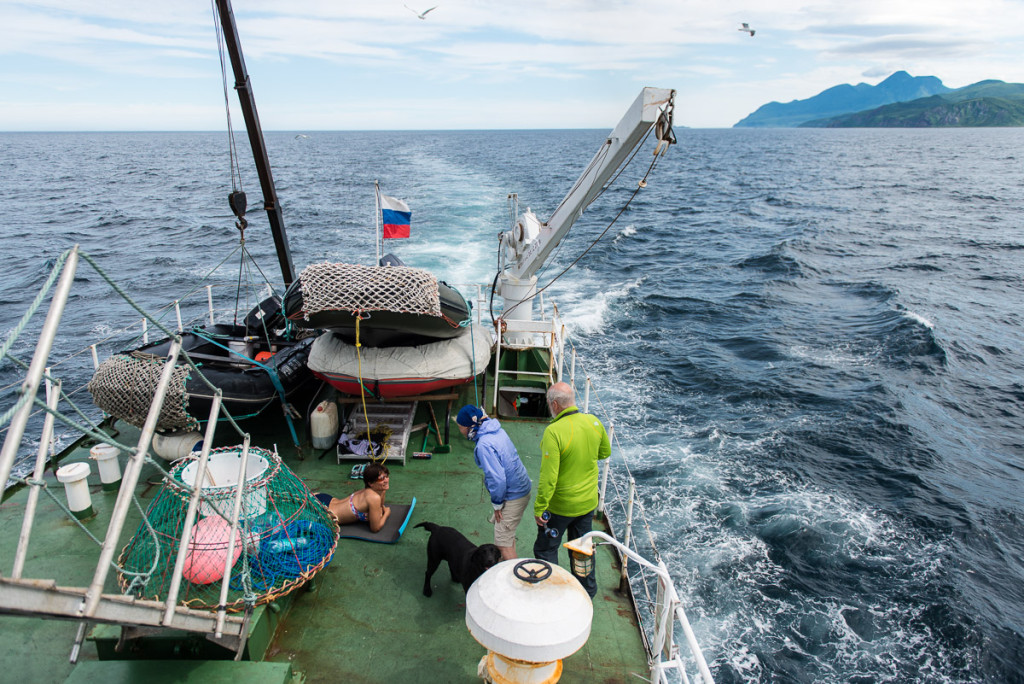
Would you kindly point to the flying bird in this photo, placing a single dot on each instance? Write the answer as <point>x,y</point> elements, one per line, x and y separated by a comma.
<point>744,27</point>
<point>423,14</point>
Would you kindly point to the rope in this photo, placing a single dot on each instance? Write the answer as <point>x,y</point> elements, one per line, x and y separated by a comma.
<point>236,176</point>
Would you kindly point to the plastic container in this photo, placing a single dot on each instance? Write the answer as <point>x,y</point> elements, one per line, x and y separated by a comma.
<point>324,425</point>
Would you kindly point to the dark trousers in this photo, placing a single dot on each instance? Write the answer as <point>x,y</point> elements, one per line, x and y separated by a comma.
<point>546,547</point>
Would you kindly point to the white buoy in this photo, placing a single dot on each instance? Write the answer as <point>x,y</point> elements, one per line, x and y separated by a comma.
<point>173,446</point>
<point>76,487</point>
<point>105,456</point>
<point>324,425</point>
<point>529,615</point>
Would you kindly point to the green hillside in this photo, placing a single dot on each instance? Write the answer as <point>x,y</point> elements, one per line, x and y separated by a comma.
<point>984,104</point>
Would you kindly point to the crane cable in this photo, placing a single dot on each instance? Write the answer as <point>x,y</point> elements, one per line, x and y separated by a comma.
<point>640,186</point>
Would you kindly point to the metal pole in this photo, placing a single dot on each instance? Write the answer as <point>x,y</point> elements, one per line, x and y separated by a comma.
<point>586,397</point>
<point>497,359</point>
<point>95,357</point>
<point>256,142</point>
<point>34,377</point>
<point>33,493</point>
<point>607,467</point>
<point>209,301</point>
<point>190,513</point>
<point>627,536</point>
<point>177,313</point>
<point>236,511</point>
<point>133,470</point>
<point>561,353</point>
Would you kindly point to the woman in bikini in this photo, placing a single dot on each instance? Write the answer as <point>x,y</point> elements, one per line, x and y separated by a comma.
<point>365,505</point>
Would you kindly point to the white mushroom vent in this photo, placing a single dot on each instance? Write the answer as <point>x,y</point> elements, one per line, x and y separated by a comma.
<point>529,610</point>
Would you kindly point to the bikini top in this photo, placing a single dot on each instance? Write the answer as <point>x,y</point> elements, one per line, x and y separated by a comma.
<point>355,511</point>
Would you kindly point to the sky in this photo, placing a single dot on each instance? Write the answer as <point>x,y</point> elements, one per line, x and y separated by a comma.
<point>85,65</point>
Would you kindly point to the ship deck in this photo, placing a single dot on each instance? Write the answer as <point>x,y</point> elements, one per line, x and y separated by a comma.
<point>364,619</point>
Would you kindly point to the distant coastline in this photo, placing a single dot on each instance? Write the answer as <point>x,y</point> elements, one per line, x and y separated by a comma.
<point>900,101</point>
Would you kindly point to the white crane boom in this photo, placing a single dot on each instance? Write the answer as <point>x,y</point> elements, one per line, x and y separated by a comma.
<point>530,242</point>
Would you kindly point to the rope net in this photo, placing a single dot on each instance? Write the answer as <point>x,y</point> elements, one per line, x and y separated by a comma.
<point>124,386</point>
<point>354,287</point>
<point>284,537</point>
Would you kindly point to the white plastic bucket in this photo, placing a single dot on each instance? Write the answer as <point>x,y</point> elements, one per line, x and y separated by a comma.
<point>173,446</point>
<point>324,425</point>
<point>222,479</point>
<point>105,456</point>
<point>76,487</point>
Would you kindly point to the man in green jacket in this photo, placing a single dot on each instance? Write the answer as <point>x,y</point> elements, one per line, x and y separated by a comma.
<point>571,447</point>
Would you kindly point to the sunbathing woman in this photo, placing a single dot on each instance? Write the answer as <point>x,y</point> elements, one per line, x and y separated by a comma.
<point>365,505</point>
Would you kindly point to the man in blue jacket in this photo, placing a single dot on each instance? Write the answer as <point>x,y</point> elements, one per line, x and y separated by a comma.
<point>505,476</point>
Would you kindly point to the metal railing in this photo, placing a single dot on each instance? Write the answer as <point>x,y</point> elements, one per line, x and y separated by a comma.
<point>45,597</point>
<point>663,651</point>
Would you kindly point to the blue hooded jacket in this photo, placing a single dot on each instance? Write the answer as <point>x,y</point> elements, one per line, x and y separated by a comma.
<point>505,475</point>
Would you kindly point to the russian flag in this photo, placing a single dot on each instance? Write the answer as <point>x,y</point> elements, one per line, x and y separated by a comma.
<point>395,217</point>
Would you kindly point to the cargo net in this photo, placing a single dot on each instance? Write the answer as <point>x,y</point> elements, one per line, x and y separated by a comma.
<point>353,287</point>
<point>124,386</point>
<point>284,536</point>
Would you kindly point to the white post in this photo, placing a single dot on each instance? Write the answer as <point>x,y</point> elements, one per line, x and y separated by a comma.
<point>133,470</point>
<point>190,513</point>
<point>95,357</point>
<point>209,301</point>
<point>586,397</point>
<point>34,377</point>
<point>177,313</point>
<point>145,331</point>
<point>229,560</point>
<point>377,238</point>
<point>627,536</point>
<point>572,370</point>
<point>561,352</point>
<point>52,397</point>
<point>497,358</point>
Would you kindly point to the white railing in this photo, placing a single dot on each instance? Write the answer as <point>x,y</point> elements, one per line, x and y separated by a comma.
<point>45,596</point>
<point>663,652</point>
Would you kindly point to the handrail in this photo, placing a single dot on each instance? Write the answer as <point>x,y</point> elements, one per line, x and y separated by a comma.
<point>670,602</point>
<point>667,604</point>
<point>131,477</point>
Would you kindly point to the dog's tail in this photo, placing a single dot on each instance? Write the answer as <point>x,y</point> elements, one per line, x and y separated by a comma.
<point>430,527</point>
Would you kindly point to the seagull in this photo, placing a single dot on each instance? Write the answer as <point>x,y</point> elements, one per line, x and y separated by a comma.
<point>744,27</point>
<point>423,14</point>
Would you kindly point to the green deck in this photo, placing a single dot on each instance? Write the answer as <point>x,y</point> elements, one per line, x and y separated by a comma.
<point>364,620</point>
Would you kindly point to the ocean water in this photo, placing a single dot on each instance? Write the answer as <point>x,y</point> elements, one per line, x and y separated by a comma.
<point>811,341</point>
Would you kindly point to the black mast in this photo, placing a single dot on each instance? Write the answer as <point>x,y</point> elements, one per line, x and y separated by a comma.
<point>259,148</point>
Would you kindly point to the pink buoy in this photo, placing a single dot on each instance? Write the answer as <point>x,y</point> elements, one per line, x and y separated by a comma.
<point>209,549</point>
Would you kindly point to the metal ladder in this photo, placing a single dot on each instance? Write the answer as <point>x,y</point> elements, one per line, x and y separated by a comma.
<point>397,416</point>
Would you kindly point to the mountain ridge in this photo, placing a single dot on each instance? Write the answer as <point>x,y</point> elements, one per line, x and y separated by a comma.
<point>843,99</point>
<point>988,103</point>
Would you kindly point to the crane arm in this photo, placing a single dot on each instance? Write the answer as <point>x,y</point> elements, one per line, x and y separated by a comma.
<point>530,242</point>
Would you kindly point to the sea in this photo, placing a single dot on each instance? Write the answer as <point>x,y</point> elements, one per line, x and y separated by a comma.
<point>810,342</point>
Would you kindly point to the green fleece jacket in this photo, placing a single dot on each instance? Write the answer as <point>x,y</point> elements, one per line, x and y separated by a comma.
<point>570,449</point>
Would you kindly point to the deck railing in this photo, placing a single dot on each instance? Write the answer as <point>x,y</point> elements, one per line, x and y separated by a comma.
<point>620,504</point>
<point>45,596</point>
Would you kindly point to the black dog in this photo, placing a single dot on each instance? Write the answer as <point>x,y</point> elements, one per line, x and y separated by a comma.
<point>466,561</point>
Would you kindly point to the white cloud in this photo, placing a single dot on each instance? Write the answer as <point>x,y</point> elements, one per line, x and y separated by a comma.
<point>523,64</point>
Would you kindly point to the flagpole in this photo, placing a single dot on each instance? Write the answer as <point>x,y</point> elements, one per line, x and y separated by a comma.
<point>376,232</point>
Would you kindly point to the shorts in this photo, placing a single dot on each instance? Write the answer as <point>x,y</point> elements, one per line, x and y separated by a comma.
<point>511,515</point>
